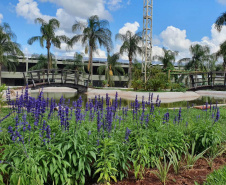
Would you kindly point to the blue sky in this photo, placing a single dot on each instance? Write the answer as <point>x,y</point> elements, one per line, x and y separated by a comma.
<point>176,23</point>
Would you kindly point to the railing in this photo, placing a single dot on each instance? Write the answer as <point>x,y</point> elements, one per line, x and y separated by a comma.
<point>55,76</point>
<point>200,79</point>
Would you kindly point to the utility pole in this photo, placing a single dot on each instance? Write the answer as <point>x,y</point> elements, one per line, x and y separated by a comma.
<point>147,36</point>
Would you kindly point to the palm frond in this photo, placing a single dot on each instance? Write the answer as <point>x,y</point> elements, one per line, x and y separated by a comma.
<point>220,22</point>
<point>40,21</point>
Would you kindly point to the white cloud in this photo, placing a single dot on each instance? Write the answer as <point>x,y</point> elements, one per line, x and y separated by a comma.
<point>175,39</point>
<point>222,1</point>
<point>84,8</point>
<point>133,27</point>
<point>29,10</point>
<point>100,54</point>
<point>1,17</point>
<point>114,4</point>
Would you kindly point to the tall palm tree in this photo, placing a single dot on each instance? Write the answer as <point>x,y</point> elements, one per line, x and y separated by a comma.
<point>200,54</point>
<point>95,32</point>
<point>9,49</point>
<point>222,53</point>
<point>111,68</point>
<point>220,22</point>
<point>131,47</point>
<point>48,36</point>
<point>167,59</point>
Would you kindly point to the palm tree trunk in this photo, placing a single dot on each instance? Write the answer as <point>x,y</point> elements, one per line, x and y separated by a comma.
<point>48,45</point>
<point>224,64</point>
<point>91,64</point>
<point>130,72</point>
<point>0,74</point>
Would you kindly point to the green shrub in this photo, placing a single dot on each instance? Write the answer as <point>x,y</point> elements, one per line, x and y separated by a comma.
<point>218,177</point>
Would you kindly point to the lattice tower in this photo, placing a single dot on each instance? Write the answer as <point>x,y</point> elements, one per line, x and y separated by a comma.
<point>147,36</point>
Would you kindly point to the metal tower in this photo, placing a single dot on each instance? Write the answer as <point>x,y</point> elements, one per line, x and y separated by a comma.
<point>147,36</point>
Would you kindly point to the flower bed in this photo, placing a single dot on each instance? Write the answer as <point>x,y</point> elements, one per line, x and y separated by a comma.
<point>101,141</point>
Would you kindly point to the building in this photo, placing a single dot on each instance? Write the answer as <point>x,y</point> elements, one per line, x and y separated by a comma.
<point>17,78</point>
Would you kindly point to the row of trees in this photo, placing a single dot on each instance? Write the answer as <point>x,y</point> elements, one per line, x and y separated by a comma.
<point>94,34</point>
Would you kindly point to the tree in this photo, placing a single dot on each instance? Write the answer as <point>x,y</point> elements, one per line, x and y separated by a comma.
<point>211,62</point>
<point>167,59</point>
<point>131,47</point>
<point>76,64</point>
<point>9,49</point>
<point>41,64</point>
<point>222,53</point>
<point>200,54</point>
<point>48,36</point>
<point>111,68</point>
<point>220,22</point>
<point>94,33</point>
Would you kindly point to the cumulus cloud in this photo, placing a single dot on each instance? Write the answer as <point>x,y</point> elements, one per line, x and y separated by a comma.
<point>1,17</point>
<point>133,27</point>
<point>29,10</point>
<point>222,2</point>
<point>176,40</point>
<point>84,8</point>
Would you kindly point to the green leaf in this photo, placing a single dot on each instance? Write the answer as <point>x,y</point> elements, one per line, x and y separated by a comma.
<point>100,178</point>
<point>114,178</point>
<point>80,165</point>
<point>65,173</point>
<point>51,169</point>
<point>93,154</point>
<point>74,159</point>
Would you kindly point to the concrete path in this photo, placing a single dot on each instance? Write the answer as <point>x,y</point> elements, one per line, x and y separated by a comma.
<point>165,97</point>
<point>221,94</point>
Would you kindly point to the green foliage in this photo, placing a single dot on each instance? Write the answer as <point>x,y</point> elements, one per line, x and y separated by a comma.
<point>218,177</point>
<point>9,49</point>
<point>110,69</point>
<point>95,32</point>
<point>168,59</point>
<point>178,87</point>
<point>191,158</point>
<point>215,151</point>
<point>157,81</point>
<point>105,162</point>
<point>137,84</point>
<point>2,88</point>
<point>163,169</point>
<point>175,160</point>
<point>200,54</point>
<point>140,156</point>
<point>76,63</point>
<point>131,47</point>
<point>73,156</point>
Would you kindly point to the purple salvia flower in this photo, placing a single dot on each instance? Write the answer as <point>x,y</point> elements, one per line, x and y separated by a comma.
<point>128,131</point>
<point>217,115</point>
<point>48,133</point>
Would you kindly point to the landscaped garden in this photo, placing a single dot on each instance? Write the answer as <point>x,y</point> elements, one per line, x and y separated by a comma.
<point>102,142</point>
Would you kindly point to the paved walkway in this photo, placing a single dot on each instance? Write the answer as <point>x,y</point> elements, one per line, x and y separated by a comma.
<point>165,97</point>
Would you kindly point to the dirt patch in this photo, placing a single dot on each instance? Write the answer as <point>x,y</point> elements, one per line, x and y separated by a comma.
<point>186,176</point>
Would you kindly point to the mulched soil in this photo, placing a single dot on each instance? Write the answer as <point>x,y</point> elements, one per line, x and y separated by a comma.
<point>186,176</point>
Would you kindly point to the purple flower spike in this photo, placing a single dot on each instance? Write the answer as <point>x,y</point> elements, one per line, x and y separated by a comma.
<point>128,131</point>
